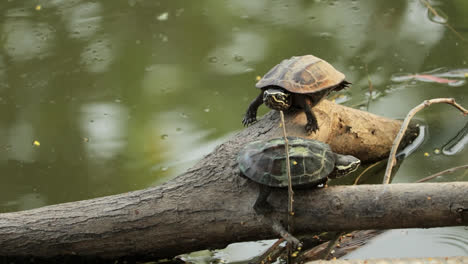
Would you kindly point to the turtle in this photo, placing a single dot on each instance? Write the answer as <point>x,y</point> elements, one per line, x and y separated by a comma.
<point>312,162</point>
<point>296,83</point>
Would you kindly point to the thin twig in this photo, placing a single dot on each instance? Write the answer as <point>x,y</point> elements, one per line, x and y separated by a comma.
<point>270,254</point>
<point>434,12</point>
<point>451,170</point>
<point>290,190</point>
<point>332,244</point>
<point>370,88</point>
<point>288,167</point>
<point>356,181</point>
<point>404,126</point>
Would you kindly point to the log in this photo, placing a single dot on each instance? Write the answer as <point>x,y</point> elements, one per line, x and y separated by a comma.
<point>210,205</point>
<point>163,222</point>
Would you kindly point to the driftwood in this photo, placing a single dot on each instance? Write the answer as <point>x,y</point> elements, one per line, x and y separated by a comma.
<point>210,205</point>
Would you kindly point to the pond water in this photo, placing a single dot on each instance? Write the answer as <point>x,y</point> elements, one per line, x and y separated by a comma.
<point>104,97</point>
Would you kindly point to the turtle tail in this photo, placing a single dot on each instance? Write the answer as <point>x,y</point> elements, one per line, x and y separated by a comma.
<point>342,85</point>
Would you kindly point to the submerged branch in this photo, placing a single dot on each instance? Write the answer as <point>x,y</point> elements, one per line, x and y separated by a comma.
<point>404,126</point>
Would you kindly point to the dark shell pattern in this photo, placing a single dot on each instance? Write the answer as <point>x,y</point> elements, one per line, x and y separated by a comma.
<point>303,74</point>
<point>265,162</point>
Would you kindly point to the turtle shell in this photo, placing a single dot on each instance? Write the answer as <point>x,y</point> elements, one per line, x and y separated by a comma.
<point>303,74</point>
<point>264,161</point>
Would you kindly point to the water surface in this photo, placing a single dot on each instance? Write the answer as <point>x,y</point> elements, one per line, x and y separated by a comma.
<point>104,97</point>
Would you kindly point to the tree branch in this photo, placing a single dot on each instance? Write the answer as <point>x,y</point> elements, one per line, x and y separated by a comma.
<point>210,205</point>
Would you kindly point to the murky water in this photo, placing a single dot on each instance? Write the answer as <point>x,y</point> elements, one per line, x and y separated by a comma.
<point>103,97</point>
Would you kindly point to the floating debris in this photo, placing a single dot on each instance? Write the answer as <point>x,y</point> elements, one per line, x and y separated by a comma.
<point>456,73</point>
<point>458,143</point>
<point>436,15</point>
<point>340,98</point>
<point>440,75</point>
<point>179,12</point>
<point>420,77</point>
<point>163,38</point>
<point>238,58</point>
<point>163,17</point>
<point>432,78</point>
<point>36,143</point>
<point>213,59</point>
<point>38,8</point>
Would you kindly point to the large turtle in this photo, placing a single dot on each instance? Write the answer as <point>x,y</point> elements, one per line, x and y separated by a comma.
<point>300,83</point>
<point>312,163</point>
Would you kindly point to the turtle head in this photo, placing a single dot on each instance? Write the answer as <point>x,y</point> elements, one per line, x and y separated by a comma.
<point>277,99</point>
<point>344,164</point>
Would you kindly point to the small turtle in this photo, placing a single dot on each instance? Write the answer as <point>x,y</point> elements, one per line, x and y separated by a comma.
<point>312,163</point>
<point>298,83</point>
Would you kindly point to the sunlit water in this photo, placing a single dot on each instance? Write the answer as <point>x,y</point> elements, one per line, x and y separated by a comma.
<point>99,98</point>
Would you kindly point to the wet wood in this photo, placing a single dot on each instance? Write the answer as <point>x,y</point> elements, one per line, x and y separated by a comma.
<point>347,243</point>
<point>210,205</point>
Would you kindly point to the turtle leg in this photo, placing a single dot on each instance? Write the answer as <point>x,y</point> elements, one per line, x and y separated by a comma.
<point>251,114</point>
<point>261,205</point>
<point>292,240</point>
<point>263,208</point>
<point>312,124</point>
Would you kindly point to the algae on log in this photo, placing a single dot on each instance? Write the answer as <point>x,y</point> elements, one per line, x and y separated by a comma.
<point>210,205</point>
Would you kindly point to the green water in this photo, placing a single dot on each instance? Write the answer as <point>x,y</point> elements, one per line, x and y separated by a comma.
<point>122,95</point>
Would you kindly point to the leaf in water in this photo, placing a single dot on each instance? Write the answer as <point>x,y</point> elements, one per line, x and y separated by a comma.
<point>431,78</point>
<point>436,15</point>
<point>163,17</point>
<point>457,83</point>
<point>401,77</point>
<point>457,73</point>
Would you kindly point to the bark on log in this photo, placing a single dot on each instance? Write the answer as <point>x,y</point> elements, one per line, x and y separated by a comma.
<point>210,205</point>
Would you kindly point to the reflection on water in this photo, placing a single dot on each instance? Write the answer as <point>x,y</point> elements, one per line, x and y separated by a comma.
<point>125,94</point>
<point>406,243</point>
<point>238,253</point>
<point>104,126</point>
<point>82,20</point>
<point>457,143</point>
<point>25,40</point>
<point>226,59</point>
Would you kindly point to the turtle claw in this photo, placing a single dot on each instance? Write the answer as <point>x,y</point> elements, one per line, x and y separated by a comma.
<point>294,242</point>
<point>248,120</point>
<point>311,128</point>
